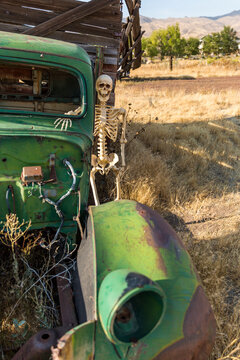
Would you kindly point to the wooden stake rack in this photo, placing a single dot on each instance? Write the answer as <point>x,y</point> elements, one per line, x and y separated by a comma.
<point>96,25</point>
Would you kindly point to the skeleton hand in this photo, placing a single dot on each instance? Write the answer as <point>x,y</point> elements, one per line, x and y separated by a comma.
<point>65,122</point>
<point>122,111</point>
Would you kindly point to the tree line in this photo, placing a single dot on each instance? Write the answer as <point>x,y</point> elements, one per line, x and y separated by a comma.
<point>169,43</point>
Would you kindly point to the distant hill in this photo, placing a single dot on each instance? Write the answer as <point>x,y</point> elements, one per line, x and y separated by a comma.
<point>233,13</point>
<point>193,26</point>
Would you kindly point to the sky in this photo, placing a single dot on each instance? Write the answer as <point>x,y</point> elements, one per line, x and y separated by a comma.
<point>191,8</point>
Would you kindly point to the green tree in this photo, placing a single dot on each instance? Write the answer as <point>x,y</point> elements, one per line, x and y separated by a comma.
<point>229,44</point>
<point>212,44</point>
<point>191,46</point>
<point>168,42</point>
<point>224,42</point>
<point>150,50</point>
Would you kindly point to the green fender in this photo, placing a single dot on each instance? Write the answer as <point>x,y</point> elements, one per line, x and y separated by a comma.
<point>133,267</point>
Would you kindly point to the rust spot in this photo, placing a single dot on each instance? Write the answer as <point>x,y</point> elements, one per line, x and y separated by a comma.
<point>149,238</point>
<point>135,280</point>
<point>199,332</point>
<point>64,348</point>
<point>39,345</point>
<point>39,139</point>
<point>159,234</point>
<point>123,315</point>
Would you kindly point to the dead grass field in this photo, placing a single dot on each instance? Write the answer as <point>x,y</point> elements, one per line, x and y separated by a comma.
<point>194,68</point>
<point>183,159</point>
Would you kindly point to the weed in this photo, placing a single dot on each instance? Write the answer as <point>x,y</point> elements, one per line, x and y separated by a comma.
<point>29,273</point>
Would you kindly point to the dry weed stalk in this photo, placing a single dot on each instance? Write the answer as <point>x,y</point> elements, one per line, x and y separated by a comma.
<point>10,235</point>
<point>234,348</point>
<point>13,231</point>
<point>30,303</point>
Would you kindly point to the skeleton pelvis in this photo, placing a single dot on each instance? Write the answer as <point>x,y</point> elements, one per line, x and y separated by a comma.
<point>105,163</point>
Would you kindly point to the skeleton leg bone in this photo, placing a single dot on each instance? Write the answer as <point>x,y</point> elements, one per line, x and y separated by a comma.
<point>93,185</point>
<point>117,174</point>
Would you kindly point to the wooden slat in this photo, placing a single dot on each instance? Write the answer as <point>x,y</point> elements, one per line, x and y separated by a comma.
<point>13,73</point>
<point>20,16</point>
<point>99,60</point>
<point>132,48</point>
<point>57,5</point>
<point>12,28</point>
<point>129,4</point>
<point>107,51</point>
<point>69,17</point>
<point>136,32</point>
<point>92,30</point>
<point>83,29</point>
<point>107,61</point>
<point>81,39</point>
<point>85,39</point>
<point>98,23</point>
<point>110,68</point>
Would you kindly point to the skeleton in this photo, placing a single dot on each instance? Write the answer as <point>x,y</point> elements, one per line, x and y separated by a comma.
<point>106,126</point>
<point>67,122</point>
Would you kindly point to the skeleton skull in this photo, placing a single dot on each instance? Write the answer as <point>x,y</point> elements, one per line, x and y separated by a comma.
<point>104,87</point>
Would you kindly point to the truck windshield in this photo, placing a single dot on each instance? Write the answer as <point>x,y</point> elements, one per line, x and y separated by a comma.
<point>38,89</point>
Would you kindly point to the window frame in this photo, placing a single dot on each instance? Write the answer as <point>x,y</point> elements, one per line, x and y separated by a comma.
<point>73,71</point>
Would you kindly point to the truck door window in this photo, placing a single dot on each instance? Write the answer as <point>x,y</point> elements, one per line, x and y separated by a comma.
<point>38,89</point>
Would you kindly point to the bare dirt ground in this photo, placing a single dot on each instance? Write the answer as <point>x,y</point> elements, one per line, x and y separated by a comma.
<point>191,85</point>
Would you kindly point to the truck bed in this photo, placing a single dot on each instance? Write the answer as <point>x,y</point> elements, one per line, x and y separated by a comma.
<point>97,25</point>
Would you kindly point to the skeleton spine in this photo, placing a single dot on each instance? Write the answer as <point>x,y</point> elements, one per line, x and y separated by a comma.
<point>102,144</point>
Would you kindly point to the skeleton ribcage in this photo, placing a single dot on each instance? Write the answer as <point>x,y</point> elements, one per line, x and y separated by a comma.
<point>107,121</point>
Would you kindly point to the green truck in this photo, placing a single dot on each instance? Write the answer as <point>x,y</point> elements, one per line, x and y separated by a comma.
<point>133,292</point>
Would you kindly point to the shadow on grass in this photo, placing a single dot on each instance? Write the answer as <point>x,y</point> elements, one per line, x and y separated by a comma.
<point>158,78</point>
<point>202,158</point>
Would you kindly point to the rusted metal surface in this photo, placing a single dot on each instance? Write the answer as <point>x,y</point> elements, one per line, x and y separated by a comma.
<point>63,350</point>
<point>85,289</point>
<point>199,332</point>
<point>160,233</point>
<point>10,189</point>
<point>133,236</point>
<point>31,174</point>
<point>38,347</point>
<point>68,314</point>
<point>52,164</point>
<point>78,343</point>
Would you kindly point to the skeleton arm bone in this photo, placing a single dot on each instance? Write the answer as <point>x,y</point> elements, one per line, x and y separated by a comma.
<point>123,139</point>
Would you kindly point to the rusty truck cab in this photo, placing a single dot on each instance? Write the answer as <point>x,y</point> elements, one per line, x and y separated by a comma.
<point>41,80</point>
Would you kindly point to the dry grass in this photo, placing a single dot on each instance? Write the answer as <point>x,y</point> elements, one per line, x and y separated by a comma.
<point>29,304</point>
<point>196,68</point>
<point>187,167</point>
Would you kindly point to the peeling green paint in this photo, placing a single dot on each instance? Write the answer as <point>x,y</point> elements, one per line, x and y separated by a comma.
<point>119,235</point>
<point>29,139</point>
